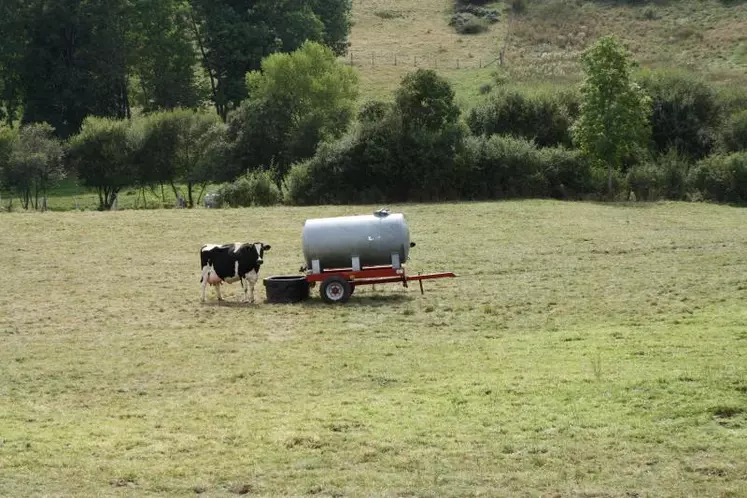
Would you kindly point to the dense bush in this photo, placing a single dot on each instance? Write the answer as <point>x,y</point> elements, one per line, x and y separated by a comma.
<point>734,136</point>
<point>466,23</point>
<point>30,162</point>
<point>686,113</point>
<point>253,189</point>
<point>380,163</point>
<point>664,178</point>
<point>363,168</point>
<point>403,152</point>
<point>296,101</point>
<point>498,167</point>
<point>721,178</point>
<point>568,173</point>
<point>8,138</point>
<point>104,154</point>
<point>476,8</point>
<point>181,147</point>
<point>546,119</point>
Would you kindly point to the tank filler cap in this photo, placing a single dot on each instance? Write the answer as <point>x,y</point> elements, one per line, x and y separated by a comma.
<point>381,213</point>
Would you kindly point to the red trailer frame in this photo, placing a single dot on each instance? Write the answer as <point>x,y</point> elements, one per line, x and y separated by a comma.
<point>338,284</point>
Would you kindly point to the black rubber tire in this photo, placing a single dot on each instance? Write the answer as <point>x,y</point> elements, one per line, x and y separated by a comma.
<point>335,290</point>
<point>286,289</point>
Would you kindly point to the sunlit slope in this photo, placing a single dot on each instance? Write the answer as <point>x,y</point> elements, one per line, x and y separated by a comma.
<point>392,37</point>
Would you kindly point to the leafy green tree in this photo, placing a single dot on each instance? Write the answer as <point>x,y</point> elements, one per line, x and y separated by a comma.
<point>614,114</point>
<point>424,99</point>
<point>163,56</point>
<point>33,163</point>
<point>296,101</point>
<point>104,156</point>
<point>400,152</point>
<point>11,26</point>
<point>335,15</point>
<point>74,61</point>
<point>686,113</point>
<point>8,138</point>
<point>225,29</point>
<point>182,147</point>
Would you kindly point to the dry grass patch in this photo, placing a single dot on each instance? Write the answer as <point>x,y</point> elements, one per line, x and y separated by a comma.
<point>546,41</point>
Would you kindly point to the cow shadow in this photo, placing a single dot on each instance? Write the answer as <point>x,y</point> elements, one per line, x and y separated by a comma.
<point>355,301</point>
<point>229,304</point>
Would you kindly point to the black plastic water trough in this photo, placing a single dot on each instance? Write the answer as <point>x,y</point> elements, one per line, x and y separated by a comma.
<point>286,289</point>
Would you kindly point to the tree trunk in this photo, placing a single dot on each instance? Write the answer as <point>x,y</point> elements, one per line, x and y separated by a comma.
<point>112,197</point>
<point>219,108</point>
<point>189,195</point>
<point>176,191</point>
<point>202,191</point>
<point>126,99</point>
<point>609,181</point>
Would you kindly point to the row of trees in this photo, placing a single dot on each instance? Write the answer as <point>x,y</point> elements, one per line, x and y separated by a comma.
<point>297,100</point>
<point>64,60</point>
<point>299,139</point>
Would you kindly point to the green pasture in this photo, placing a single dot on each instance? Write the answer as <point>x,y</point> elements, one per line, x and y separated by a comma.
<point>584,350</point>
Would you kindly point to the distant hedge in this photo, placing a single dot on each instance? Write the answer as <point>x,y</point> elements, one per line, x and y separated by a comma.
<point>495,167</point>
<point>544,118</point>
<point>721,178</point>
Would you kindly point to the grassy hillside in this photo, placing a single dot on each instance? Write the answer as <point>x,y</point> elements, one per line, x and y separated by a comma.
<point>706,36</point>
<point>585,350</point>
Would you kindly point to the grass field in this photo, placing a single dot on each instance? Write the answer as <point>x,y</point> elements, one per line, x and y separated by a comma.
<point>585,350</point>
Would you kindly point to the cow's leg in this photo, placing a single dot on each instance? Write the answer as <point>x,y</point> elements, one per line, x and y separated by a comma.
<point>251,277</point>
<point>245,288</point>
<point>217,291</point>
<point>204,280</point>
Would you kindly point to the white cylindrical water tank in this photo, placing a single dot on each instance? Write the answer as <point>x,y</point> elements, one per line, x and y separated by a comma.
<point>379,239</point>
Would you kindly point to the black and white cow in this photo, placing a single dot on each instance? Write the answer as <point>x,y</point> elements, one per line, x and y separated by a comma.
<point>229,263</point>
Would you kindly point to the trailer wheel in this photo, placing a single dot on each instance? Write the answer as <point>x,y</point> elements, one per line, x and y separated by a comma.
<point>335,290</point>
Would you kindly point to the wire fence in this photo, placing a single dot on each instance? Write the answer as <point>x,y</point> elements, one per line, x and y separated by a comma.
<point>379,59</point>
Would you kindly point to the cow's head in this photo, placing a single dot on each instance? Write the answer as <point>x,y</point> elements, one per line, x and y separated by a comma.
<point>260,248</point>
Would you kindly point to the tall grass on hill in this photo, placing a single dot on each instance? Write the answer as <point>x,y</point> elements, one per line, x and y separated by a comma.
<point>548,37</point>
